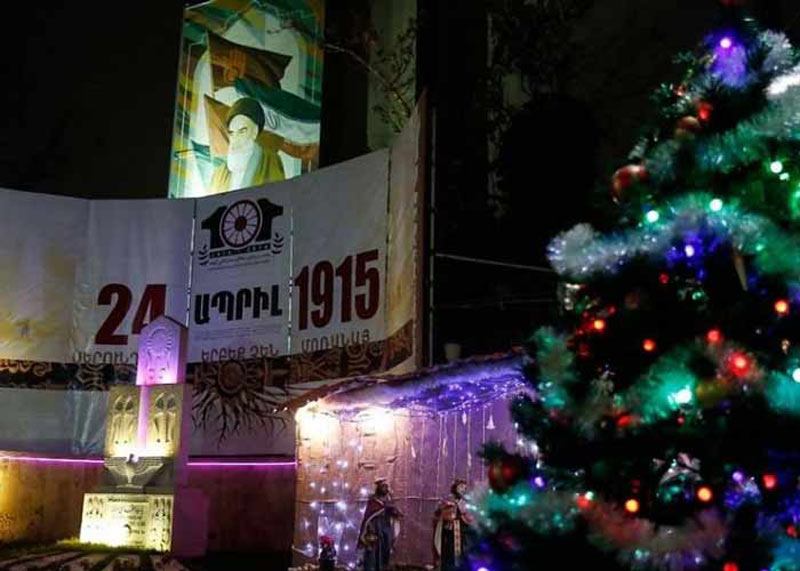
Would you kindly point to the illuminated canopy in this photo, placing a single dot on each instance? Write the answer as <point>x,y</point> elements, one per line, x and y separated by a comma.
<point>442,388</point>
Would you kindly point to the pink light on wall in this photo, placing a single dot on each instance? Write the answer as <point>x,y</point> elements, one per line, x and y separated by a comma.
<point>51,460</point>
<point>200,463</point>
<point>245,464</point>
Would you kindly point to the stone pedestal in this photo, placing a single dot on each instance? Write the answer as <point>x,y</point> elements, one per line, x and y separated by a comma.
<point>143,500</point>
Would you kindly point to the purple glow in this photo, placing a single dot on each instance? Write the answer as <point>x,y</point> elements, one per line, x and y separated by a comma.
<point>730,62</point>
<point>482,569</point>
<point>223,464</point>
<point>538,481</point>
<point>46,460</point>
<point>738,476</point>
<point>198,463</point>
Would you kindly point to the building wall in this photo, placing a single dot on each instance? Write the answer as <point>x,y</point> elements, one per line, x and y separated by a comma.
<point>339,460</point>
<point>251,508</point>
<point>391,18</point>
<point>42,502</point>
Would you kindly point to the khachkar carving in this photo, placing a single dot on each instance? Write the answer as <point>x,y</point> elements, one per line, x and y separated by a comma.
<point>164,419</point>
<point>143,500</point>
<point>122,421</point>
<point>162,354</point>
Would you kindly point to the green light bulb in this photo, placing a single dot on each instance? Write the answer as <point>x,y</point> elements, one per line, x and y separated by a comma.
<point>652,216</point>
<point>794,204</point>
<point>715,205</point>
<point>776,167</point>
<point>683,396</point>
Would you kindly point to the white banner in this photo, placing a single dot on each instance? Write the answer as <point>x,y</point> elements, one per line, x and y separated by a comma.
<point>240,285</point>
<point>339,261</point>
<point>404,271</point>
<point>44,238</point>
<point>135,268</point>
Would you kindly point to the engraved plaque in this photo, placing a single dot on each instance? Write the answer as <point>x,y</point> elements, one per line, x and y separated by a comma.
<point>128,520</point>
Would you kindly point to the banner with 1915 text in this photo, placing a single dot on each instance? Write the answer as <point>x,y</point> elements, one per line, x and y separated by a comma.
<point>339,262</point>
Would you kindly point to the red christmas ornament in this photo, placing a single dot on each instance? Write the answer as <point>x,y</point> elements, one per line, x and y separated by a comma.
<point>633,300</point>
<point>687,127</point>
<point>770,481</point>
<point>506,472</point>
<point>704,111</point>
<point>626,177</point>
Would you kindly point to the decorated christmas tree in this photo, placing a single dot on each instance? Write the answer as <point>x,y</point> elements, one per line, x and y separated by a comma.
<point>662,428</point>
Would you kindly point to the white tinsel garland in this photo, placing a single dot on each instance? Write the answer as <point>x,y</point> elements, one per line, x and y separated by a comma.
<point>581,252</point>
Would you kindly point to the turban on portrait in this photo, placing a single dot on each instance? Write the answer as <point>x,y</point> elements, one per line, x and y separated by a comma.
<point>250,108</point>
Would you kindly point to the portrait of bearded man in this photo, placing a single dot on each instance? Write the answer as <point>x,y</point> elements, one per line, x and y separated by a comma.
<point>248,163</point>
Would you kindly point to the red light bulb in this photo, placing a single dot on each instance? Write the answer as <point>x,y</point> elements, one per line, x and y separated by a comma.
<point>714,336</point>
<point>730,566</point>
<point>624,421</point>
<point>781,307</point>
<point>739,364</point>
<point>704,494</point>
<point>599,324</point>
<point>584,501</point>
<point>704,111</point>
<point>632,506</point>
<point>664,279</point>
<point>649,345</point>
<point>770,481</point>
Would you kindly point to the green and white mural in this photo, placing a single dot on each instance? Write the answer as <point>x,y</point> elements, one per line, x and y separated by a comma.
<point>248,97</point>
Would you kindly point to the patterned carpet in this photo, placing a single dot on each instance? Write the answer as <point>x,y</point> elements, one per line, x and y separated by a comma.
<point>65,560</point>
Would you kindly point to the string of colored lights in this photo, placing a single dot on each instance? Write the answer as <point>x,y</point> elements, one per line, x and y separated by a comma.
<point>666,400</point>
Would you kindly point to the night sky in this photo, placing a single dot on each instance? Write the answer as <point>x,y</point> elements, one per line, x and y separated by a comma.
<point>87,96</point>
<point>88,87</point>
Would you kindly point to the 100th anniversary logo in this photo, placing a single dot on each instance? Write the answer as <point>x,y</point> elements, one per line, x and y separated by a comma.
<point>242,233</point>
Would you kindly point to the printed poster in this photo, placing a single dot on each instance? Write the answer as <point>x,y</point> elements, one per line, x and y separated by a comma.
<point>135,268</point>
<point>240,276</point>
<point>44,240</point>
<point>249,95</point>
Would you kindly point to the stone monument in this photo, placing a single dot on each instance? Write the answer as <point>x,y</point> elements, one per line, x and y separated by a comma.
<point>144,500</point>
